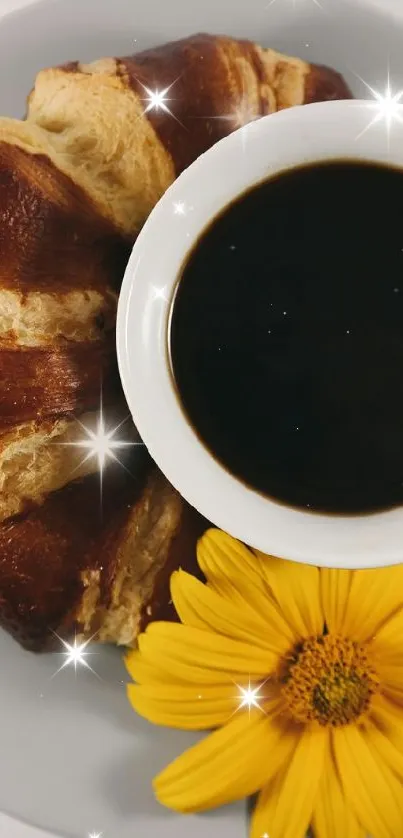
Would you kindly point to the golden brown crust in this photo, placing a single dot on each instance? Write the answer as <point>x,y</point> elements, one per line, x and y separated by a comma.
<point>58,554</point>
<point>60,262</point>
<point>42,456</point>
<point>182,553</point>
<point>96,128</point>
<point>216,84</point>
<point>44,553</point>
<point>51,237</point>
<point>38,383</point>
<point>144,550</point>
<point>97,121</point>
<point>323,84</point>
<point>200,108</point>
<point>39,457</point>
<point>37,318</point>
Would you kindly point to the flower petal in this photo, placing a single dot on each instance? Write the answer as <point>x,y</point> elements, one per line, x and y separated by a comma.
<point>374,596</point>
<point>185,708</point>
<point>202,657</point>
<point>230,764</point>
<point>227,564</point>
<point>332,816</point>
<point>386,732</point>
<point>234,572</point>
<point>394,693</point>
<point>387,713</point>
<point>145,673</point>
<point>335,590</point>
<point>371,788</point>
<point>284,808</point>
<point>296,589</point>
<point>390,673</point>
<point>202,607</point>
<point>387,642</point>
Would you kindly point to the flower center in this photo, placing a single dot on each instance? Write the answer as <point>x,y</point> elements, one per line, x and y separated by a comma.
<point>328,679</point>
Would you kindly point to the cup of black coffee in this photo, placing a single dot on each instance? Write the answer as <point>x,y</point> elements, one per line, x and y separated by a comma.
<point>260,335</point>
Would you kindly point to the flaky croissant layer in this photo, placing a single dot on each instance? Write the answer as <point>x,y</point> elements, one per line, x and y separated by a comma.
<point>125,154</point>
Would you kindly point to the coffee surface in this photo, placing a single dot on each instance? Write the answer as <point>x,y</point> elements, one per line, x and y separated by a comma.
<point>287,337</point>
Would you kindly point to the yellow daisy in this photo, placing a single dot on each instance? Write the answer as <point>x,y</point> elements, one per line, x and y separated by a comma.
<point>299,671</point>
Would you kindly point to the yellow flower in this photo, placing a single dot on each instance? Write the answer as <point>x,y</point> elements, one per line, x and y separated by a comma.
<point>300,672</point>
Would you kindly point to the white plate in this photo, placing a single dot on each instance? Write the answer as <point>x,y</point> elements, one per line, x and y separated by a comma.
<point>73,758</point>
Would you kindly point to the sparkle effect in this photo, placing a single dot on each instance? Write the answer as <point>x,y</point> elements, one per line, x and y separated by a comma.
<point>156,100</point>
<point>100,834</point>
<point>250,697</point>
<point>388,107</point>
<point>241,116</point>
<point>179,208</point>
<point>75,654</point>
<point>101,443</point>
<point>159,293</point>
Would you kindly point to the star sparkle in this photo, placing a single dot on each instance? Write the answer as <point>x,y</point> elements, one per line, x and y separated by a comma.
<point>100,834</point>
<point>159,293</point>
<point>101,443</point>
<point>179,208</point>
<point>240,116</point>
<point>75,654</point>
<point>157,100</point>
<point>250,697</point>
<point>388,107</point>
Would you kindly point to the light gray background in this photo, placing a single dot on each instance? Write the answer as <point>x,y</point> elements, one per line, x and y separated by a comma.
<point>73,758</point>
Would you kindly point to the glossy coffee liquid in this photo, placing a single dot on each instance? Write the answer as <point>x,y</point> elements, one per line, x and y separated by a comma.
<point>287,338</point>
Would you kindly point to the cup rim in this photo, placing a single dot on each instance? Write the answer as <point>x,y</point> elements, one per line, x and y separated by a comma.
<point>291,137</point>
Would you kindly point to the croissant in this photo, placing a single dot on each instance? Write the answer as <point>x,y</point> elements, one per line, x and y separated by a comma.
<point>78,177</point>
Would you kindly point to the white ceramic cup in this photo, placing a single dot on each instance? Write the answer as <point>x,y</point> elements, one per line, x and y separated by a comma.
<point>330,130</point>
